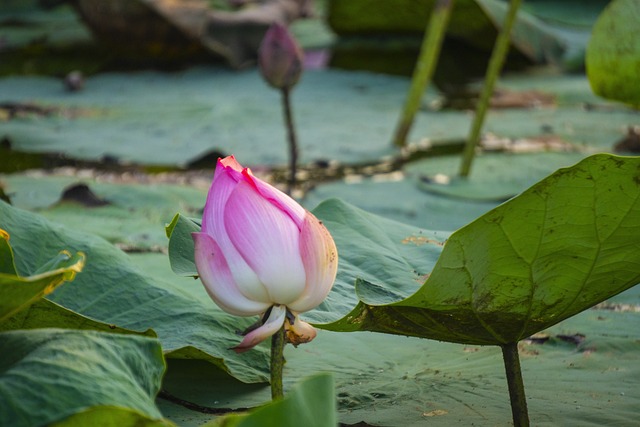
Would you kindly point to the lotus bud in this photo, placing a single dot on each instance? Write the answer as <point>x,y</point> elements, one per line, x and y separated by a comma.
<point>260,253</point>
<point>280,58</point>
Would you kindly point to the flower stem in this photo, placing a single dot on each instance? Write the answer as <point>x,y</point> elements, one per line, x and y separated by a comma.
<point>293,140</point>
<point>427,61</point>
<point>500,50</point>
<point>516,385</point>
<point>277,363</point>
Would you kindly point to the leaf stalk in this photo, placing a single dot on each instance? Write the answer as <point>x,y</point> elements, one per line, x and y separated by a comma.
<point>516,385</point>
<point>423,72</point>
<point>500,50</point>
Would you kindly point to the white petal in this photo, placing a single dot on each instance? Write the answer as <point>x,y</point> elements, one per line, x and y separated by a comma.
<point>218,281</point>
<point>268,240</point>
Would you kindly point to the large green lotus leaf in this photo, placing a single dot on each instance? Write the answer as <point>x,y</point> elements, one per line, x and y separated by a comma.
<point>113,291</point>
<point>18,293</point>
<point>613,54</point>
<point>563,245</point>
<point>49,375</point>
<point>311,403</point>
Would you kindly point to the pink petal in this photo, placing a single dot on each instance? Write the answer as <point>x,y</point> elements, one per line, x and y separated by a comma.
<point>230,162</point>
<point>213,224</point>
<point>270,327</point>
<point>320,260</point>
<point>300,332</point>
<point>278,198</point>
<point>218,280</point>
<point>221,187</point>
<point>234,170</point>
<point>268,240</point>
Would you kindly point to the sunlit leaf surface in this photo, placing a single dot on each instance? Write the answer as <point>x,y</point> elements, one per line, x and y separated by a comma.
<point>565,244</point>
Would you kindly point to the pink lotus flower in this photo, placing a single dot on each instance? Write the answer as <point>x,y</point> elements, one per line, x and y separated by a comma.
<point>280,58</point>
<point>260,252</point>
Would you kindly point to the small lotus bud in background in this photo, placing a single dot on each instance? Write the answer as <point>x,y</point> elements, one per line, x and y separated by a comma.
<point>280,58</point>
<point>74,81</point>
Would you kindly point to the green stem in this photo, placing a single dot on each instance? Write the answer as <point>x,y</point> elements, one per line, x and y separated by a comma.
<point>496,62</point>
<point>516,385</point>
<point>293,141</point>
<point>277,363</point>
<point>422,74</point>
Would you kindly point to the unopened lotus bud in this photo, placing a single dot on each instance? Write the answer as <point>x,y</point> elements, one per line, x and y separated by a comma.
<point>280,58</point>
<point>260,253</point>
